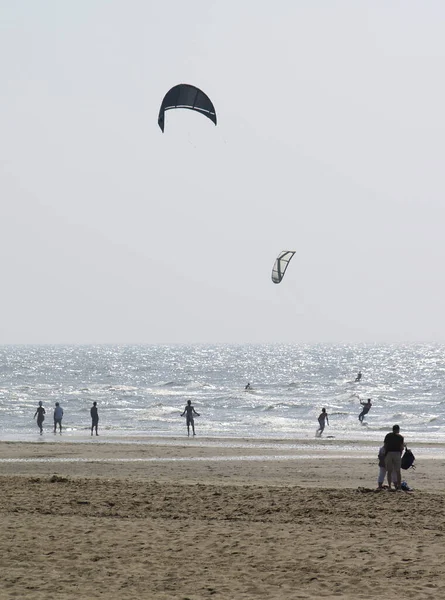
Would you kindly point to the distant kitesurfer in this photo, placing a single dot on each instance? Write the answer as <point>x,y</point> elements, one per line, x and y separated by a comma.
<point>248,387</point>
<point>359,376</point>
<point>189,411</point>
<point>366,408</point>
<point>58,414</point>
<point>322,420</point>
<point>40,413</point>
<point>94,417</point>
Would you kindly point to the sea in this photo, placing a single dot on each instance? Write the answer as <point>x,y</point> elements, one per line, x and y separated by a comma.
<point>141,390</point>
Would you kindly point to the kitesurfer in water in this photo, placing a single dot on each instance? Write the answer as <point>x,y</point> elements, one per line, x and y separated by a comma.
<point>366,408</point>
<point>359,376</point>
<point>322,420</point>
<point>40,413</point>
<point>189,411</point>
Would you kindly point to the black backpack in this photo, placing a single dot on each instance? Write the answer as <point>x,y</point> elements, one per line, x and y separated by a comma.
<point>408,460</point>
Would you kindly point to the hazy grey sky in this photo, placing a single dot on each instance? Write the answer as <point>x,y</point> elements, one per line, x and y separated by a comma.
<point>330,142</point>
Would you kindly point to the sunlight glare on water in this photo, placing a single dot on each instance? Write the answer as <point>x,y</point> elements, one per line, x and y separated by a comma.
<point>143,389</point>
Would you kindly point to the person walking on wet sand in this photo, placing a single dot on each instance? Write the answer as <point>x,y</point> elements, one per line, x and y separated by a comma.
<point>322,421</point>
<point>189,411</point>
<point>94,418</point>
<point>40,413</point>
<point>58,414</point>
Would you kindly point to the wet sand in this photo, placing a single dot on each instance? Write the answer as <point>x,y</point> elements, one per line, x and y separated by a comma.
<point>197,519</point>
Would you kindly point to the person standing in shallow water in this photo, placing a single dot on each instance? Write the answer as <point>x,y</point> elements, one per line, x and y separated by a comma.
<point>94,418</point>
<point>58,414</point>
<point>40,413</point>
<point>322,420</point>
<point>189,411</point>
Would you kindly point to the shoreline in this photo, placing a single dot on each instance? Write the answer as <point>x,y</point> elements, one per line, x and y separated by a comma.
<point>295,443</point>
<point>182,460</point>
<point>367,435</point>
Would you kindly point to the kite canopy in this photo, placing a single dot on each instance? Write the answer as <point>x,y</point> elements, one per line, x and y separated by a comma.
<point>186,96</point>
<point>280,266</point>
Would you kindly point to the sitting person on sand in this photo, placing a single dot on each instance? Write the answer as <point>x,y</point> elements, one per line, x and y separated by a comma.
<point>189,411</point>
<point>322,420</point>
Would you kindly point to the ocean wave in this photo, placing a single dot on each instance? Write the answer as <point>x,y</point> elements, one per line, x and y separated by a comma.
<point>284,400</point>
<point>122,388</point>
<point>433,419</point>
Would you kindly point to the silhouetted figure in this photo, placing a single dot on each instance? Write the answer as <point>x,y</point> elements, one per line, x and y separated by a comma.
<point>394,443</point>
<point>247,387</point>
<point>94,418</point>
<point>359,376</point>
<point>58,414</point>
<point>40,412</point>
<point>189,411</point>
<point>322,421</point>
<point>366,408</point>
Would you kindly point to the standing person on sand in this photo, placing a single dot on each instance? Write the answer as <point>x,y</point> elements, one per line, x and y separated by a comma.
<point>94,418</point>
<point>58,414</point>
<point>322,420</point>
<point>40,412</point>
<point>394,443</point>
<point>189,411</point>
<point>382,470</point>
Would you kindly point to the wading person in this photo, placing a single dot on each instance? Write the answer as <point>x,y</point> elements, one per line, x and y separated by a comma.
<point>189,411</point>
<point>94,418</point>
<point>40,413</point>
<point>58,414</point>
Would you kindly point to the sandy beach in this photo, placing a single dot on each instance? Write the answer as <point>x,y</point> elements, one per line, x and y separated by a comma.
<point>182,519</point>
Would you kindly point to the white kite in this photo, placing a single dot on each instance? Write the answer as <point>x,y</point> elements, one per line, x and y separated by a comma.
<point>280,266</point>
